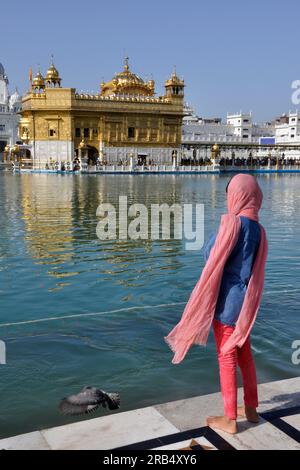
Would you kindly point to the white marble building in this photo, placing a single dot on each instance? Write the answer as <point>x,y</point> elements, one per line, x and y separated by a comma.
<point>9,107</point>
<point>287,129</point>
<point>275,139</point>
<point>241,124</point>
<point>199,134</point>
<point>239,128</point>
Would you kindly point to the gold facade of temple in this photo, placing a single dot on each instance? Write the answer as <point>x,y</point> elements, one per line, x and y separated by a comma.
<point>124,114</point>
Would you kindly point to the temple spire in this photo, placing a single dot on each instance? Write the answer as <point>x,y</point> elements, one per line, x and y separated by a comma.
<point>126,64</point>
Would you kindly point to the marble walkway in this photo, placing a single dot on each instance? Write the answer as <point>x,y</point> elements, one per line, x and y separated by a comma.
<point>179,425</point>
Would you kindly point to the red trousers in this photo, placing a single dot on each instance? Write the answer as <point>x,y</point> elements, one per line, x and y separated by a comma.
<point>228,371</point>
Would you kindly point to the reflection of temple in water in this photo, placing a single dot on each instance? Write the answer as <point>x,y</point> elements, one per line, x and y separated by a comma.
<point>59,214</point>
<point>55,209</point>
<point>47,215</point>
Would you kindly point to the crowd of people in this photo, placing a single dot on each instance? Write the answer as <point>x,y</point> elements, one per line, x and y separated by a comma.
<point>281,161</point>
<point>240,162</point>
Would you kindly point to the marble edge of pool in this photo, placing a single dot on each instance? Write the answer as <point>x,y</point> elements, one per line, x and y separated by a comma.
<point>153,423</point>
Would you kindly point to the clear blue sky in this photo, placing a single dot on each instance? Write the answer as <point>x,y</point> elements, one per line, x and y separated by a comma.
<point>232,54</point>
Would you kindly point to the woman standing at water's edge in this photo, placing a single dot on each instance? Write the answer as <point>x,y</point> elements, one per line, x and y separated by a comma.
<point>228,295</point>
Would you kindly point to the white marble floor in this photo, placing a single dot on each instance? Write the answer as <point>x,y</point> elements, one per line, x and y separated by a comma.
<point>176,425</point>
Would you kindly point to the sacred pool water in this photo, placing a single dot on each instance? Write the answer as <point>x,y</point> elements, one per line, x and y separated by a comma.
<point>76,310</point>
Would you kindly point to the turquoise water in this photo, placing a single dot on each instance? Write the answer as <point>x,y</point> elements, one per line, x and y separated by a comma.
<point>53,265</point>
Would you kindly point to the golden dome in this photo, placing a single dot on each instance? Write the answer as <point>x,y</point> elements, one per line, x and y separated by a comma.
<point>52,73</point>
<point>52,76</point>
<point>127,83</point>
<point>38,81</point>
<point>174,80</point>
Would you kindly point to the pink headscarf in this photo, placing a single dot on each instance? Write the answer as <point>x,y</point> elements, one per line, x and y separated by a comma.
<point>244,198</point>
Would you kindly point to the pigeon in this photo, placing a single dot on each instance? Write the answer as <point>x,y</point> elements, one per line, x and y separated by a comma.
<point>88,400</point>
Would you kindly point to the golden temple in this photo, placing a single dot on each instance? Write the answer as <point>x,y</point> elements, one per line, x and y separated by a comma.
<point>59,123</point>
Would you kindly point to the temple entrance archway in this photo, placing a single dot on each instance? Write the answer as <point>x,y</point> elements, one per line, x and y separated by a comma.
<point>93,154</point>
<point>89,154</point>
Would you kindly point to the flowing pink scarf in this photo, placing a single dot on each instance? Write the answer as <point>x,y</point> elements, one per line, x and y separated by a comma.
<point>244,198</point>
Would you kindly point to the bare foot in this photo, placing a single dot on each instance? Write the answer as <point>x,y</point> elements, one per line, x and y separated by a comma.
<point>223,423</point>
<point>249,413</point>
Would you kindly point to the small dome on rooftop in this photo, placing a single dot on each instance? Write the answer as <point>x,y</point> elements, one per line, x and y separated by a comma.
<point>38,81</point>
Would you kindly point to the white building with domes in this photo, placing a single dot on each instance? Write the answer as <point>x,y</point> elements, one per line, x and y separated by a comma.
<point>10,105</point>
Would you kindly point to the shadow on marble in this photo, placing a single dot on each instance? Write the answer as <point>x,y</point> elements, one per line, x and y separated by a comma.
<point>260,436</point>
<point>284,400</point>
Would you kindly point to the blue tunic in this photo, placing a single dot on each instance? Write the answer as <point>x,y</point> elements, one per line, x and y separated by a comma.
<point>237,271</point>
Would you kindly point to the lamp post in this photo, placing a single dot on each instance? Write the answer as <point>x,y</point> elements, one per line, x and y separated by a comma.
<point>277,161</point>
<point>215,152</point>
<point>269,157</point>
<point>131,164</point>
<point>6,153</point>
<point>232,157</point>
<point>174,159</point>
<point>251,159</point>
<point>69,140</point>
<point>101,152</point>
